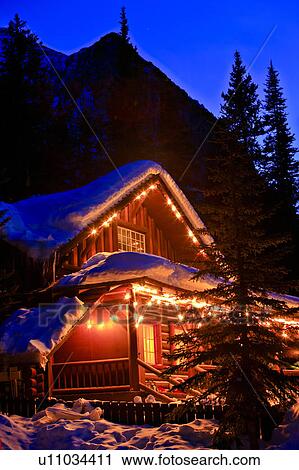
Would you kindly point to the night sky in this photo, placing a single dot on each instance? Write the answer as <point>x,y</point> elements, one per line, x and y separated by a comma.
<point>191,41</point>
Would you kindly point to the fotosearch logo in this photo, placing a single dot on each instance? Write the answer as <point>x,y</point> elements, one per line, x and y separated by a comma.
<point>70,312</point>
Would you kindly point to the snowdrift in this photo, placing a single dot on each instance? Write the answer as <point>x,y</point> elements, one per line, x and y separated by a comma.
<point>39,329</point>
<point>120,266</point>
<point>286,436</point>
<point>50,429</point>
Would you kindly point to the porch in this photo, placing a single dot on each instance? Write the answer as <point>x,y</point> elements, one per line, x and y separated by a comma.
<point>118,349</point>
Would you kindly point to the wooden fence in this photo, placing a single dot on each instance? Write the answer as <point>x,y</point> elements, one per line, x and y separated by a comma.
<point>121,412</point>
<point>152,414</point>
<point>11,406</point>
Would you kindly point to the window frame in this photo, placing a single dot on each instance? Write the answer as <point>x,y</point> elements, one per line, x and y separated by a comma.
<point>157,344</point>
<point>120,229</point>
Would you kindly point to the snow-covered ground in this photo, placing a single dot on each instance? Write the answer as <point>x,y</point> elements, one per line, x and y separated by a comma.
<point>50,430</point>
<point>60,428</point>
<point>286,436</point>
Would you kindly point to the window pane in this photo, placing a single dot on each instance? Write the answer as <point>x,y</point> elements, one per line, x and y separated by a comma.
<point>129,240</point>
<point>149,344</point>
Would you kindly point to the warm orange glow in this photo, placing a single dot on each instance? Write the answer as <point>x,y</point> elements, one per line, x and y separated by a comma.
<point>149,344</point>
<point>139,320</point>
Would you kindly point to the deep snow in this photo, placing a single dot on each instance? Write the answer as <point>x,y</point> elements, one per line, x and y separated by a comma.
<point>128,265</point>
<point>44,432</point>
<point>286,436</point>
<point>39,329</point>
<point>49,429</point>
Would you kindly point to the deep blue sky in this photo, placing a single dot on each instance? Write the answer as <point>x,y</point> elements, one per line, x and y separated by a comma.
<point>192,40</point>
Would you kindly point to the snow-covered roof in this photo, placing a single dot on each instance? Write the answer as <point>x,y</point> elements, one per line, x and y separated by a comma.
<point>41,224</point>
<point>126,265</point>
<point>122,266</point>
<point>40,329</point>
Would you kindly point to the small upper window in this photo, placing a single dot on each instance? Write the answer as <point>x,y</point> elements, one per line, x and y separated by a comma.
<point>128,240</point>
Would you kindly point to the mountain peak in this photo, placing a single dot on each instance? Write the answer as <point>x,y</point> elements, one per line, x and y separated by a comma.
<point>134,109</point>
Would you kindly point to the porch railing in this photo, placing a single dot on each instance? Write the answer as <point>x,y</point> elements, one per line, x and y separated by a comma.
<point>172,381</point>
<point>106,373</point>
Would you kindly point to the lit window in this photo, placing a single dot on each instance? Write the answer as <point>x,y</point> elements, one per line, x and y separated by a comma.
<point>128,240</point>
<point>149,344</point>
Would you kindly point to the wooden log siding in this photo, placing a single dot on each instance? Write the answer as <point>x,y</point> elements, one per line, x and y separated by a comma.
<point>133,216</point>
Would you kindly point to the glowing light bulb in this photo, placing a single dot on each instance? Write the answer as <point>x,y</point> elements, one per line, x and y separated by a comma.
<point>94,231</point>
<point>139,320</point>
<point>180,316</point>
<point>127,296</point>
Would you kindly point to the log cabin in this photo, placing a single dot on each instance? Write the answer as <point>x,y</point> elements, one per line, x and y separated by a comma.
<point>116,255</point>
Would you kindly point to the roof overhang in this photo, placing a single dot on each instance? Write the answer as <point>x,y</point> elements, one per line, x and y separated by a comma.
<point>42,224</point>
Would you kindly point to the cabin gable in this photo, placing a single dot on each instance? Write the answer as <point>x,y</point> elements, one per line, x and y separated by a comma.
<point>148,221</point>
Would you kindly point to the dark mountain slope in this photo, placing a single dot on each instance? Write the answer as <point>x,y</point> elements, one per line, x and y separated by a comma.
<point>134,108</point>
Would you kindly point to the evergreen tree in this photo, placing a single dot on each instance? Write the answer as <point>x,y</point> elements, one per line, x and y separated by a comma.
<point>279,165</point>
<point>236,331</point>
<point>241,108</point>
<point>124,26</point>
<point>25,111</point>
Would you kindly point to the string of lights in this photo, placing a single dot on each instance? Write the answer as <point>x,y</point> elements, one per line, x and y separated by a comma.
<point>196,312</point>
<point>204,310</point>
<point>142,195</point>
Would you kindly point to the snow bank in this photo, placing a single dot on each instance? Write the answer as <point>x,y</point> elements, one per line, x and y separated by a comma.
<point>15,432</point>
<point>41,432</point>
<point>39,329</point>
<point>40,224</point>
<point>286,436</point>
<point>119,266</point>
